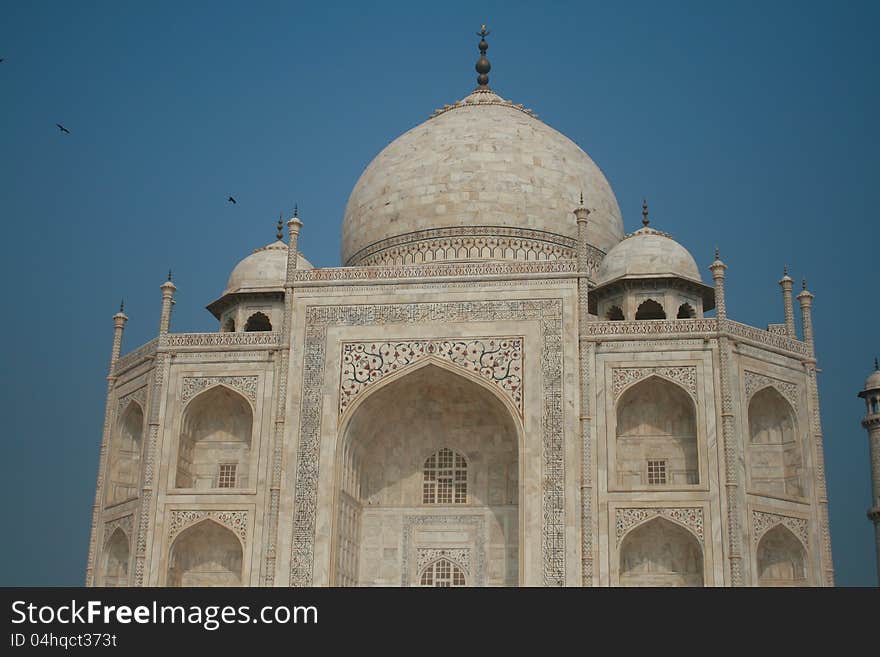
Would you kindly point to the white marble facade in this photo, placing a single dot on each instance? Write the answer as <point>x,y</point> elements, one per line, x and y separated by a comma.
<point>499,389</point>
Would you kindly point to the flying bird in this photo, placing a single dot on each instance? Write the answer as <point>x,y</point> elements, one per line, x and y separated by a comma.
<point>231,200</point>
<point>62,128</point>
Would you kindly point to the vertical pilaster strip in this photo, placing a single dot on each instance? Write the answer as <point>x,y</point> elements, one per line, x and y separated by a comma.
<point>293,226</point>
<point>119,320</point>
<point>154,404</point>
<point>821,490</point>
<point>585,353</point>
<point>731,473</point>
<point>157,390</point>
<point>805,299</point>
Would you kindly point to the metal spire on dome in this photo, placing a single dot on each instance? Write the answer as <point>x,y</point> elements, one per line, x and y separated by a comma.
<point>296,210</point>
<point>483,66</point>
<point>279,235</point>
<point>876,365</point>
<point>169,275</point>
<point>645,220</point>
<point>122,305</point>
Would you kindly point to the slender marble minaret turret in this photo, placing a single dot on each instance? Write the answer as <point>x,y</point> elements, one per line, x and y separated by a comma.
<point>871,422</point>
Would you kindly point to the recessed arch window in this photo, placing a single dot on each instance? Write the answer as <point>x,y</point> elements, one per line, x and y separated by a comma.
<point>875,405</point>
<point>774,453</point>
<point>116,557</point>
<point>228,326</point>
<point>444,479</point>
<point>781,559</point>
<point>656,436</point>
<point>205,554</point>
<point>614,314</point>
<point>125,456</point>
<point>215,441</point>
<point>442,573</point>
<point>686,311</point>
<point>650,309</point>
<point>661,553</point>
<point>258,322</point>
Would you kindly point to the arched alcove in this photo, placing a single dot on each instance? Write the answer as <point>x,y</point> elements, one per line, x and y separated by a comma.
<point>116,559</point>
<point>776,463</point>
<point>661,553</point>
<point>258,322</point>
<point>656,436</point>
<point>125,456</point>
<point>614,314</point>
<point>686,311</point>
<point>388,445</point>
<point>215,441</point>
<point>781,559</point>
<point>206,554</point>
<point>442,573</point>
<point>228,325</point>
<point>650,309</point>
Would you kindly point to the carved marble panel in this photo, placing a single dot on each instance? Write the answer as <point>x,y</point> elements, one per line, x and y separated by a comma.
<point>236,521</point>
<point>755,382</point>
<point>460,556</point>
<point>623,377</point>
<point>763,521</point>
<point>125,523</point>
<point>479,526</point>
<point>193,385</point>
<point>497,360</point>
<point>139,396</point>
<point>690,517</point>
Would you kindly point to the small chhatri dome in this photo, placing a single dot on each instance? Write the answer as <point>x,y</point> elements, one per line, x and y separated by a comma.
<point>648,253</point>
<point>264,270</point>
<point>483,164</point>
<point>873,381</point>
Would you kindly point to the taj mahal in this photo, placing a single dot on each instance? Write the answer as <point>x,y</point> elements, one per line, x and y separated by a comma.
<point>499,387</point>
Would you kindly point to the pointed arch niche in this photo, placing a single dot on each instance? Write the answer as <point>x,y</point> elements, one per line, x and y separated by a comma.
<point>781,559</point>
<point>776,465</point>
<point>386,449</point>
<point>655,441</point>
<point>660,552</point>
<point>116,560</point>
<point>214,450</point>
<point>125,455</point>
<point>205,554</point>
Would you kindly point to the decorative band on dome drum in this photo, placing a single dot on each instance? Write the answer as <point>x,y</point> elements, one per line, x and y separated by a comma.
<point>468,243</point>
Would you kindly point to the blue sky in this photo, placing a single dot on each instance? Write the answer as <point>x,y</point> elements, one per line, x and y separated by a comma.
<point>750,125</point>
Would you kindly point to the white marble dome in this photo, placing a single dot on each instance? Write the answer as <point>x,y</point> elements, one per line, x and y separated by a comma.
<point>264,269</point>
<point>483,162</point>
<point>648,253</point>
<point>873,381</point>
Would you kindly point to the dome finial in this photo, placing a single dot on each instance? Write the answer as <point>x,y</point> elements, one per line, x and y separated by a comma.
<point>278,228</point>
<point>645,220</point>
<point>122,310</point>
<point>876,365</point>
<point>582,199</point>
<point>804,284</point>
<point>483,66</point>
<point>169,275</point>
<point>717,253</point>
<point>296,210</point>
